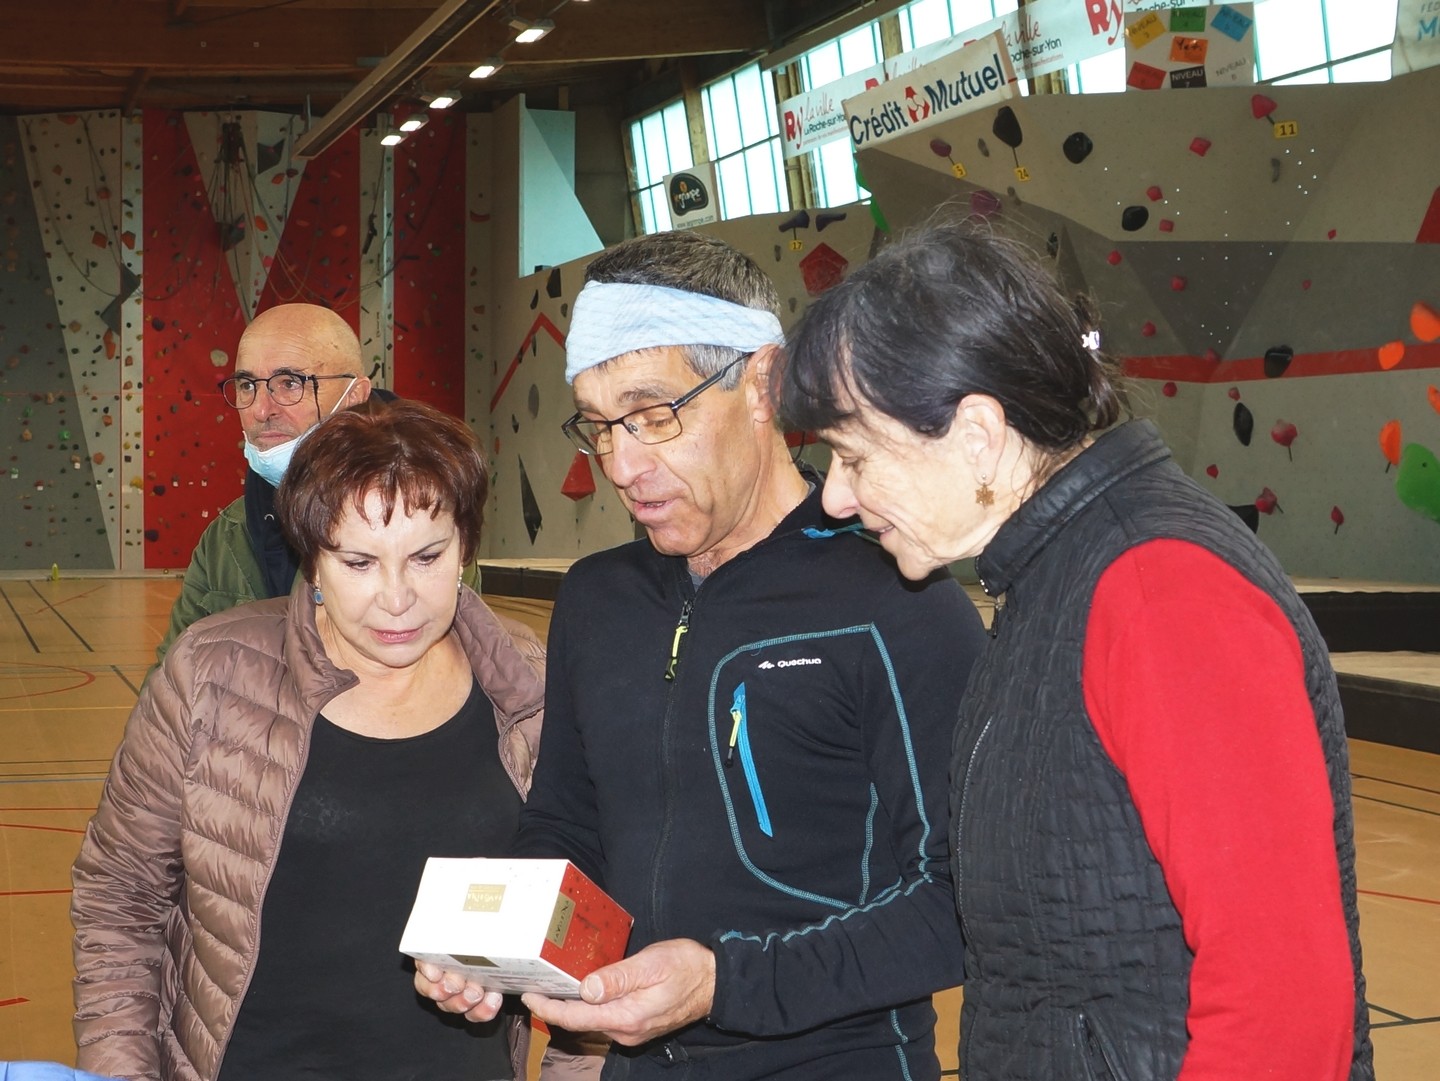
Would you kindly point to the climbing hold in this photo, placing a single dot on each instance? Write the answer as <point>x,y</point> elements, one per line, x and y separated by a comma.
<point>1243,423</point>
<point>1133,218</point>
<point>1154,193</point>
<point>1284,433</point>
<point>1077,147</point>
<point>1169,389</point>
<point>1425,322</point>
<point>1391,354</point>
<point>1199,146</point>
<point>1114,258</point>
<point>1390,442</point>
<point>1277,359</point>
<point>1177,284</point>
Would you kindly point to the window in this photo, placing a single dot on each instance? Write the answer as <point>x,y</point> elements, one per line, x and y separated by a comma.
<point>745,143</point>
<point>927,21</point>
<point>833,164</point>
<point>660,143</point>
<point>1329,35</point>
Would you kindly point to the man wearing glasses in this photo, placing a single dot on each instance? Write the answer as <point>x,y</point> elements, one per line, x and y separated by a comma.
<point>748,714</point>
<point>295,365</point>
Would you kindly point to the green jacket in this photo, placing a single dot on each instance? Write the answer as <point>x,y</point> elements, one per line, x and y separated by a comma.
<point>224,572</point>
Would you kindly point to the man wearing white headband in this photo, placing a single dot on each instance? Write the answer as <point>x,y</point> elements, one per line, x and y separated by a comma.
<point>748,714</point>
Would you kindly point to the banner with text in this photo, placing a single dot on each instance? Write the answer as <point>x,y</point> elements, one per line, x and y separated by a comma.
<point>1417,36</point>
<point>977,75</point>
<point>1185,48</point>
<point>1047,36</point>
<point>807,120</point>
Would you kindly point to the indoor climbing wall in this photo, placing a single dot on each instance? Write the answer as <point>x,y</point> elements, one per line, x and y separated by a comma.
<point>1267,262</point>
<point>548,500</point>
<point>429,322</point>
<point>136,252</point>
<point>68,294</point>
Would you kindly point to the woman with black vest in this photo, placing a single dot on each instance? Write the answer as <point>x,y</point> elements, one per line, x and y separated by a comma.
<point>1153,842</point>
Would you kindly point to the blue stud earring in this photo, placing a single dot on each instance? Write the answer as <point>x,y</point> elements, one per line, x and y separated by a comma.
<point>319,597</point>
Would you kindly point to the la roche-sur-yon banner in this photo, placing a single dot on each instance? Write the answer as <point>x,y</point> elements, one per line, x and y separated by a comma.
<point>970,78</point>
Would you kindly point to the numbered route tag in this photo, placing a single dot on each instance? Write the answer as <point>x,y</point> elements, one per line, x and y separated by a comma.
<point>797,245</point>
<point>1144,31</point>
<point>958,170</point>
<point>1022,174</point>
<point>1287,129</point>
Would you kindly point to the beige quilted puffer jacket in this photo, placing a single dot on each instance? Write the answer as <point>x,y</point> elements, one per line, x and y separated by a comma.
<point>170,878</point>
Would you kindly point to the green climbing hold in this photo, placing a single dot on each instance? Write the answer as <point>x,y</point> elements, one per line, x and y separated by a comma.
<point>1417,481</point>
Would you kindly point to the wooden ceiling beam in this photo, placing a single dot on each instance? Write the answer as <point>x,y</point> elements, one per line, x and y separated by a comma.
<point>311,39</point>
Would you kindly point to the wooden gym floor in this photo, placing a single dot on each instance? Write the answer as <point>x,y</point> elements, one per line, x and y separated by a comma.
<point>74,652</point>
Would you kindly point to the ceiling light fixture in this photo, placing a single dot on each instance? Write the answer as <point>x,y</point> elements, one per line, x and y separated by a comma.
<point>487,68</point>
<point>415,121</point>
<point>444,100</point>
<point>531,30</point>
<point>449,21</point>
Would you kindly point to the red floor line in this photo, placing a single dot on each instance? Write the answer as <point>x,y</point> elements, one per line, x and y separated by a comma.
<point>46,829</point>
<point>8,810</point>
<point>29,893</point>
<point>12,1001</point>
<point>1400,897</point>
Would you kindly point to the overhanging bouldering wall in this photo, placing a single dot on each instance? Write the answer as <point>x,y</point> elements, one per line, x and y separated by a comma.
<point>1264,259</point>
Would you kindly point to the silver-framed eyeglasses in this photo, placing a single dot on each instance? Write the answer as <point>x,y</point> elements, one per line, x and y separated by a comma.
<point>650,424</point>
<point>284,388</point>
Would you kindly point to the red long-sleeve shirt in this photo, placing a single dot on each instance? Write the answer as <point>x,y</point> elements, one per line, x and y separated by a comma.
<point>1195,682</point>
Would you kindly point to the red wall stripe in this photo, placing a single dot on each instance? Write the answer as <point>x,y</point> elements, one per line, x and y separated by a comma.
<point>1190,369</point>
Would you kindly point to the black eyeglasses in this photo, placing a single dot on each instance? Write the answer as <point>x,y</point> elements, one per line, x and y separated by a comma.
<point>650,424</point>
<point>284,388</point>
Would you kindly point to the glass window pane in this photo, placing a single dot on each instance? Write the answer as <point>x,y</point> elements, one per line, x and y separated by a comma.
<point>724,122</point>
<point>760,175</point>
<point>755,105</point>
<point>1103,74</point>
<point>637,151</point>
<point>822,66</point>
<point>967,13</point>
<point>1357,25</point>
<point>652,131</point>
<point>1289,36</point>
<point>677,138</point>
<point>1005,7</point>
<point>929,21</point>
<point>734,194</point>
<point>859,49</point>
<point>835,174</point>
<point>1367,69</point>
<point>647,211</point>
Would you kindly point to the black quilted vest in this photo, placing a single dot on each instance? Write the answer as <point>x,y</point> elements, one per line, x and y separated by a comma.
<point>1076,967</point>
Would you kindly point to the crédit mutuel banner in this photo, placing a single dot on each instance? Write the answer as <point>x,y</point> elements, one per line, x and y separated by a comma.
<point>959,82</point>
<point>1044,36</point>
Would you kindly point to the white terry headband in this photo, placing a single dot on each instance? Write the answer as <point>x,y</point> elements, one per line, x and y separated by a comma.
<point>612,318</point>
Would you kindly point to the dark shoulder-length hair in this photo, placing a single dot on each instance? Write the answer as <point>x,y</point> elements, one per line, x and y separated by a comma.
<point>945,312</point>
<point>411,454</point>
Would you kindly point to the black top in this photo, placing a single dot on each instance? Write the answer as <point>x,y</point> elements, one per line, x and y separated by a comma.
<point>782,798</point>
<point>331,995</point>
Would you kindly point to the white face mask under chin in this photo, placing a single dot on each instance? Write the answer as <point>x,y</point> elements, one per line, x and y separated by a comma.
<point>272,462</point>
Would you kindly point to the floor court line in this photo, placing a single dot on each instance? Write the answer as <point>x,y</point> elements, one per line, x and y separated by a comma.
<point>12,1001</point>
<point>11,605</point>
<point>69,626</point>
<point>42,829</point>
<point>1392,803</point>
<point>1397,784</point>
<point>1399,897</point>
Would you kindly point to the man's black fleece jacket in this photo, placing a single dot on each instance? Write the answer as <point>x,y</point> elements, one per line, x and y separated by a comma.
<point>782,798</point>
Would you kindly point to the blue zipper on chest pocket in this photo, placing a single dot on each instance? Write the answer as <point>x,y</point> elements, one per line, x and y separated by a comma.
<point>740,737</point>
